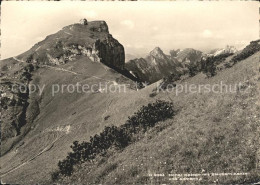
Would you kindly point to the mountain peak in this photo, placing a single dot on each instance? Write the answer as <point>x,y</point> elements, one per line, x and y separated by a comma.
<point>157,49</point>
<point>89,39</point>
<point>157,52</point>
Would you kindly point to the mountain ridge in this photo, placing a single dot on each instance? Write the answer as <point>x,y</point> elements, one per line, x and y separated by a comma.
<point>92,40</point>
<point>157,65</point>
<point>153,67</point>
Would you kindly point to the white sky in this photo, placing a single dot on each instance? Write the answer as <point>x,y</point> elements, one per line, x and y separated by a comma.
<point>139,26</point>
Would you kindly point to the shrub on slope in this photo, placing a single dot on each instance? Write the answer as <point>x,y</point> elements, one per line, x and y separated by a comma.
<point>209,65</point>
<point>249,50</point>
<point>117,137</point>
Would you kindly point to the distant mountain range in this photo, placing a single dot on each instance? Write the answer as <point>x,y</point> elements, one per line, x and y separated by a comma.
<point>154,66</point>
<point>157,64</point>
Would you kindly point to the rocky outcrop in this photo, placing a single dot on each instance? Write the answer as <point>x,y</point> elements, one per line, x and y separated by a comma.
<point>13,104</point>
<point>109,52</point>
<point>91,39</point>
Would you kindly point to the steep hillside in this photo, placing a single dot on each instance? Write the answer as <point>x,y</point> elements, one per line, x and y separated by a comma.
<point>91,40</point>
<point>213,132</point>
<point>64,116</point>
<point>32,121</point>
<point>14,100</point>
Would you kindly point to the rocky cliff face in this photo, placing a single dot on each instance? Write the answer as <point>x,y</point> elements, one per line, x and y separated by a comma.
<point>14,100</point>
<point>13,105</point>
<point>91,39</point>
<point>110,52</point>
<point>154,66</point>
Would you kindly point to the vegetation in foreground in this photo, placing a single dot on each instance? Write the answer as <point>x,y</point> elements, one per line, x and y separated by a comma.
<point>213,133</point>
<point>114,137</point>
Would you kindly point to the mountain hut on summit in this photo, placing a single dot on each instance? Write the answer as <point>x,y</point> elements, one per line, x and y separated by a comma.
<point>83,21</point>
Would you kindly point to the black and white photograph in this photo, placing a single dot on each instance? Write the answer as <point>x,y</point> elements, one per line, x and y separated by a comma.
<point>130,92</point>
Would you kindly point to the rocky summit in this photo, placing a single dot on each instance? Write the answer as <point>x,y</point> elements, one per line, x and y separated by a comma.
<point>91,39</point>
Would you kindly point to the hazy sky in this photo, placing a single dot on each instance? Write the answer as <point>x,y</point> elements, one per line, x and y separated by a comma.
<point>139,26</point>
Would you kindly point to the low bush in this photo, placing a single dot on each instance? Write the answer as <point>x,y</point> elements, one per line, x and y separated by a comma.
<point>148,116</point>
<point>168,82</point>
<point>29,59</point>
<point>208,65</point>
<point>117,137</point>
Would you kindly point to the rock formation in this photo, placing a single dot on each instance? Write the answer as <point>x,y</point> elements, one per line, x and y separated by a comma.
<point>153,67</point>
<point>88,38</point>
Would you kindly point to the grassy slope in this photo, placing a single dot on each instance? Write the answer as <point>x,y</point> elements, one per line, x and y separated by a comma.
<point>205,134</point>
<point>211,133</point>
<point>84,113</point>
